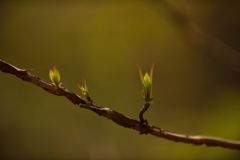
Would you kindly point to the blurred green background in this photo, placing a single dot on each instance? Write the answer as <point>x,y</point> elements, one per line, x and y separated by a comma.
<point>195,91</point>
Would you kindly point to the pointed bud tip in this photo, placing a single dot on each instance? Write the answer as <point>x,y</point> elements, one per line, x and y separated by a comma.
<point>153,65</point>
<point>138,66</point>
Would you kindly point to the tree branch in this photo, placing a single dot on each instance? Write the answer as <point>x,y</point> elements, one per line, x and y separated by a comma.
<point>116,117</point>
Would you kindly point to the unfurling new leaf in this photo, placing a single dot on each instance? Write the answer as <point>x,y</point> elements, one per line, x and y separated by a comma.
<point>84,90</point>
<point>146,85</point>
<point>55,76</point>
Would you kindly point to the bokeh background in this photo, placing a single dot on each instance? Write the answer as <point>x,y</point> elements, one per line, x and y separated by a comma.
<point>196,81</point>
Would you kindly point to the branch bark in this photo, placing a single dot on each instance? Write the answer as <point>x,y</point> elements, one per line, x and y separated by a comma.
<point>116,117</point>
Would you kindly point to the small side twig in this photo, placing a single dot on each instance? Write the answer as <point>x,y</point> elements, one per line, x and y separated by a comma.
<point>143,110</point>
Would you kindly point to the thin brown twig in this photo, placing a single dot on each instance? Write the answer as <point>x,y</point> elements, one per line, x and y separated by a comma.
<point>142,111</point>
<point>116,117</point>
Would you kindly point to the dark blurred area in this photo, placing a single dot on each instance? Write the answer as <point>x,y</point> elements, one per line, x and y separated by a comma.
<point>196,79</point>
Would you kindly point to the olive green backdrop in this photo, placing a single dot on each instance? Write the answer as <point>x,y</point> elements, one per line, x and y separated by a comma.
<point>102,41</point>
